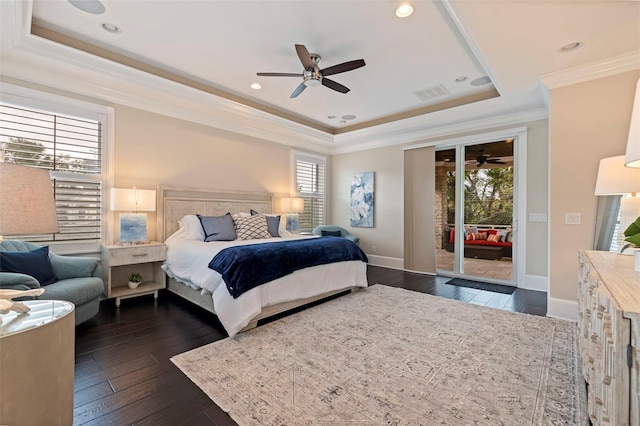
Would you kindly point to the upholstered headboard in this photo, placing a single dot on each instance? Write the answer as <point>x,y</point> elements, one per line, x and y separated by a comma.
<point>176,202</point>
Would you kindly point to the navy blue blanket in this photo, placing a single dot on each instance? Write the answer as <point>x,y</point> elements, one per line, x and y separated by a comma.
<point>246,267</point>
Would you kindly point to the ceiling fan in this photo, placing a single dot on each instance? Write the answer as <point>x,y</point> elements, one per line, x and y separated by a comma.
<point>481,159</point>
<point>312,75</point>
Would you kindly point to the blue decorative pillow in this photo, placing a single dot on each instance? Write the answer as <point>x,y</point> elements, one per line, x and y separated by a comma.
<point>331,233</point>
<point>273,223</point>
<point>218,228</point>
<point>34,263</point>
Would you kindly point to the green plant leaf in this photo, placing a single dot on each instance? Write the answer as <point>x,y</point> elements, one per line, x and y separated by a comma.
<point>635,239</point>
<point>633,228</point>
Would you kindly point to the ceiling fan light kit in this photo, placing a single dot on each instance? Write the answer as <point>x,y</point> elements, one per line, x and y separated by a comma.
<point>312,75</point>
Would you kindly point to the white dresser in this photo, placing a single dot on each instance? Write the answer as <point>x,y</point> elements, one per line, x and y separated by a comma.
<point>609,336</point>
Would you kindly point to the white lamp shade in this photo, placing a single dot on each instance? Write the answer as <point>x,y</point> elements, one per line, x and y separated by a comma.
<point>632,157</point>
<point>292,205</point>
<point>133,200</point>
<point>27,205</point>
<point>615,179</point>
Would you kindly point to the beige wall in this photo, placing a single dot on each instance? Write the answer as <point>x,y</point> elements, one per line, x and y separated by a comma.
<point>537,197</point>
<point>387,163</point>
<point>588,121</point>
<point>152,149</point>
<point>387,235</point>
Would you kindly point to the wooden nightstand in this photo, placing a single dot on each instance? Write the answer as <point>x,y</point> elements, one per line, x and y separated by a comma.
<point>118,262</point>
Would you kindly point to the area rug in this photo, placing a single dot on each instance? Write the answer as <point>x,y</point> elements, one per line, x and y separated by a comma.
<point>498,288</point>
<point>385,355</point>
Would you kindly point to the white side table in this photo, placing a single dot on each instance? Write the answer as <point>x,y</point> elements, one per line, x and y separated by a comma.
<point>37,364</point>
<point>119,261</point>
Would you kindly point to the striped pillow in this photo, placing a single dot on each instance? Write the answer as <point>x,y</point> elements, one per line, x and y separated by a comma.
<point>494,238</point>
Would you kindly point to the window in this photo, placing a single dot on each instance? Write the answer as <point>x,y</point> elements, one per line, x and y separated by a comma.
<point>71,147</point>
<point>310,172</point>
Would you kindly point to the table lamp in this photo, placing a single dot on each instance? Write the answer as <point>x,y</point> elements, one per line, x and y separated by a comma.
<point>632,156</point>
<point>133,225</point>
<point>291,207</point>
<point>27,205</point>
<point>616,179</point>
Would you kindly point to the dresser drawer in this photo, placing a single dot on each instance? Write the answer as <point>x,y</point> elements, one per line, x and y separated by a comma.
<point>129,255</point>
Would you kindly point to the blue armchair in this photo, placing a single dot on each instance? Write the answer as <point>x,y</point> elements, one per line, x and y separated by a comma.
<point>332,229</point>
<point>78,279</point>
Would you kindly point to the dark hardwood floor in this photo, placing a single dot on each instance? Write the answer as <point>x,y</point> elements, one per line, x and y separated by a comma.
<point>123,374</point>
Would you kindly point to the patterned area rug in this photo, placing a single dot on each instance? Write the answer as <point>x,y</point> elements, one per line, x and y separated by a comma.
<point>386,355</point>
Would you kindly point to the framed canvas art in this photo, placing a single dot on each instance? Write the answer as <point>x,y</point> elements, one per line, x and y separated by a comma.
<point>361,200</point>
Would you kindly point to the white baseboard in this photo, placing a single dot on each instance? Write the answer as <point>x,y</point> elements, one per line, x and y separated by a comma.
<point>562,308</point>
<point>536,282</point>
<point>387,262</point>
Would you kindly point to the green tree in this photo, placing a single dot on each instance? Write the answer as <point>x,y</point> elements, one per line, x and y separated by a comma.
<point>488,196</point>
<point>31,153</point>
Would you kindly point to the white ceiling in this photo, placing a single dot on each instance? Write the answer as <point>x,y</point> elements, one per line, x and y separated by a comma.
<point>222,44</point>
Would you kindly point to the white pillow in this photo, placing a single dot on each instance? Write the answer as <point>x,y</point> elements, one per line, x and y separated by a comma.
<point>192,227</point>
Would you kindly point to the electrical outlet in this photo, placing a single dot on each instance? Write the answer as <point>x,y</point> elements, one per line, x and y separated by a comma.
<point>374,249</point>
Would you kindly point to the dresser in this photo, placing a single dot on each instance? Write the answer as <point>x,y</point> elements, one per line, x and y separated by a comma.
<point>609,336</point>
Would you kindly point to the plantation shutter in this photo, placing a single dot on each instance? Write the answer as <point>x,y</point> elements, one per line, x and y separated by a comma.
<point>310,186</point>
<point>71,148</point>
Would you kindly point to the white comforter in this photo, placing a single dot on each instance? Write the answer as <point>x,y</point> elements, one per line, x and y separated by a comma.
<point>187,262</point>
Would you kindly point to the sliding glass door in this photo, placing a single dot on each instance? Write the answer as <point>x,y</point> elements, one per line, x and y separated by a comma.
<point>475,201</point>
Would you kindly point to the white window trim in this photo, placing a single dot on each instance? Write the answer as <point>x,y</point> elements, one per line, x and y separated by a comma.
<point>40,99</point>
<point>292,175</point>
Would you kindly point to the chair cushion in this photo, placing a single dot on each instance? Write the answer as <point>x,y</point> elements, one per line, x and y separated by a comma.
<point>331,233</point>
<point>72,267</point>
<point>75,290</point>
<point>35,263</point>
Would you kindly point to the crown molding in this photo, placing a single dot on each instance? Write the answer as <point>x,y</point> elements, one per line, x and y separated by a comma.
<point>35,61</point>
<point>608,67</point>
<point>427,132</point>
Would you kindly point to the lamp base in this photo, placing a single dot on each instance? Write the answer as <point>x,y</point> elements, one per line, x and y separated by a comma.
<point>292,222</point>
<point>133,228</point>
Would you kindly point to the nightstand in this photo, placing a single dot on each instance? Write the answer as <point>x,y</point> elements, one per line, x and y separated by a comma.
<point>118,262</point>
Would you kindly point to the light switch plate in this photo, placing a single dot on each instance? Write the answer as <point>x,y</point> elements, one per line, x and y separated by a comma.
<point>573,218</point>
<point>537,217</point>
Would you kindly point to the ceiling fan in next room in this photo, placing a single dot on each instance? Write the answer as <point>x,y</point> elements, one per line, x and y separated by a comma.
<point>312,75</point>
<point>481,159</point>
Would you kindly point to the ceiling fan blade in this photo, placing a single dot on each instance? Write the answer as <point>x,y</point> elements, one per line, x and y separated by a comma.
<point>298,90</point>
<point>304,56</point>
<point>279,74</point>
<point>335,86</point>
<point>343,67</point>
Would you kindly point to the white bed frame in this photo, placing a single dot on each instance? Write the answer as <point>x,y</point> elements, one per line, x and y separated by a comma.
<point>176,202</point>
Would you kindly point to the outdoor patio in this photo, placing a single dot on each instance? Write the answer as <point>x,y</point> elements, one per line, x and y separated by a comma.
<point>481,268</point>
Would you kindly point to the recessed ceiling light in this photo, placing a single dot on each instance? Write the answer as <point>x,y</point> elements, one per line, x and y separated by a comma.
<point>461,79</point>
<point>112,28</point>
<point>256,86</point>
<point>348,117</point>
<point>343,121</point>
<point>571,46</point>
<point>404,10</point>
<point>331,117</point>
<point>89,6</point>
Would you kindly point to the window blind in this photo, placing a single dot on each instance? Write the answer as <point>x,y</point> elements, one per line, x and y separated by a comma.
<point>71,148</point>
<point>310,185</point>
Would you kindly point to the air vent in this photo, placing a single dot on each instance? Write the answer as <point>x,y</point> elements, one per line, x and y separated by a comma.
<point>431,92</point>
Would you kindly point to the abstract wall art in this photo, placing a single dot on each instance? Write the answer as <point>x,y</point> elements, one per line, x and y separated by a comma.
<point>361,201</point>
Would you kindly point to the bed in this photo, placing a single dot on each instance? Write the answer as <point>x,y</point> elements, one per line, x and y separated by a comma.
<point>189,276</point>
